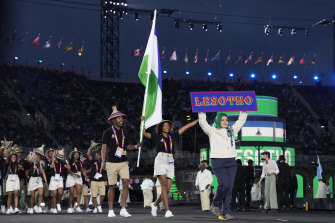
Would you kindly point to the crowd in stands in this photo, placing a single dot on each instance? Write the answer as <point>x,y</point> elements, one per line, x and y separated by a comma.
<point>60,108</point>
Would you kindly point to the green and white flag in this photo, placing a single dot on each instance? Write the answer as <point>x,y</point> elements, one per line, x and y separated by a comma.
<point>151,78</point>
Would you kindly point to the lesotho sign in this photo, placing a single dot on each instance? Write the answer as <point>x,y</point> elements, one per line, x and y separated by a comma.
<point>217,101</point>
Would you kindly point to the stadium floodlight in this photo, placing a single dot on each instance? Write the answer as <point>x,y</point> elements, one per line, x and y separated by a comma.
<point>209,73</point>
<point>274,76</point>
<point>231,75</point>
<point>253,75</point>
<point>187,72</point>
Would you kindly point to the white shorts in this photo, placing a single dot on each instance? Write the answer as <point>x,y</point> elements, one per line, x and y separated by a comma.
<point>54,185</point>
<point>12,185</point>
<point>162,165</point>
<point>71,180</point>
<point>35,183</point>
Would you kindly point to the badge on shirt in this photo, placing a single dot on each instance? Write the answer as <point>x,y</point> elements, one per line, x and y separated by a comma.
<point>113,136</point>
<point>57,176</point>
<point>170,158</point>
<point>97,176</point>
<point>13,178</point>
<point>118,152</point>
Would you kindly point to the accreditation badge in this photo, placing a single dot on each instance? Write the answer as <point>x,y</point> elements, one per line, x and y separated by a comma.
<point>97,176</point>
<point>170,158</point>
<point>13,178</point>
<point>118,152</point>
<point>57,176</point>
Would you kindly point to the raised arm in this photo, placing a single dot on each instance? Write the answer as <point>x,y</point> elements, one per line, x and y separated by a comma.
<point>185,127</point>
<point>89,156</point>
<point>145,133</point>
<point>240,122</point>
<point>204,124</point>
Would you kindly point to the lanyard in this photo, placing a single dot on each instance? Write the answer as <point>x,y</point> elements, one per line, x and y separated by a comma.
<point>60,168</point>
<point>170,144</point>
<point>81,166</point>
<point>117,141</point>
<point>37,169</point>
<point>96,167</point>
<point>10,170</point>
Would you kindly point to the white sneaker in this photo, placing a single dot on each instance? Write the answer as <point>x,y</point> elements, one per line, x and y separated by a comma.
<point>88,210</point>
<point>153,210</point>
<point>124,213</point>
<point>59,208</point>
<point>16,211</point>
<point>9,211</point>
<point>78,209</point>
<point>3,209</point>
<point>54,211</point>
<point>111,214</point>
<point>30,211</point>
<point>70,210</point>
<point>99,209</point>
<point>36,209</point>
<point>40,210</point>
<point>95,211</point>
<point>168,214</point>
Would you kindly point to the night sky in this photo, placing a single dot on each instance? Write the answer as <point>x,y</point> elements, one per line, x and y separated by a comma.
<point>79,24</point>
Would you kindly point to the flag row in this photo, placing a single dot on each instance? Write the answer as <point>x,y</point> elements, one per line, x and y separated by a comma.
<point>237,60</point>
<point>36,42</point>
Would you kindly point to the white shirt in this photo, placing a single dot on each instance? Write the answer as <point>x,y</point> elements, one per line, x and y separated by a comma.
<point>269,167</point>
<point>147,184</point>
<point>203,179</point>
<point>218,138</point>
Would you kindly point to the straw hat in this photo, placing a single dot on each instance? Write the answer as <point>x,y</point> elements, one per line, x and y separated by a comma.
<point>95,146</point>
<point>115,114</point>
<point>75,151</point>
<point>158,126</point>
<point>60,154</point>
<point>6,144</point>
<point>47,152</point>
<point>39,150</point>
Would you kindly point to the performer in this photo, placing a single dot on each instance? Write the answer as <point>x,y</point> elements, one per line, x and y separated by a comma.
<point>147,186</point>
<point>269,172</point>
<point>115,142</point>
<point>239,187</point>
<point>48,172</point>
<point>56,181</point>
<point>223,154</point>
<point>35,181</point>
<point>13,183</point>
<point>163,139</point>
<point>203,183</point>
<point>97,177</point>
<point>283,185</point>
<point>74,179</point>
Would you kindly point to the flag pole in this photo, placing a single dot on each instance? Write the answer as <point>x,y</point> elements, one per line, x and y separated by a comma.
<point>145,102</point>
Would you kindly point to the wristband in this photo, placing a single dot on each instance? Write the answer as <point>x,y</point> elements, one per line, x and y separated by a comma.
<point>135,146</point>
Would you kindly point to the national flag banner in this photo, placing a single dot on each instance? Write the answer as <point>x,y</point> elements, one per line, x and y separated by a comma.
<point>239,59</point>
<point>36,41</point>
<point>259,60</point>
<point>196,57</point>
<point>228,57</point>
<point>207,54</point>
<point>281,59</point>
<point>270,61</point>
<point>137,52</point>
<point>163,54</point>
<point>151,78</point>
<point>81,50</point>
<point>319,169</point>
<point>173,56</point>
<point>217,101</point>
<point>312,61</point>
<point>23,39</point>
<point>302,60</point>
<point>249,59</point>
<point>186,58</point>
<point>59,44</point>
<point>216,56</point>
<point>68,47</point>
<point>47,44</point>
<point>271,131</point>
<point>11,37</point>
<point>291,61</point>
